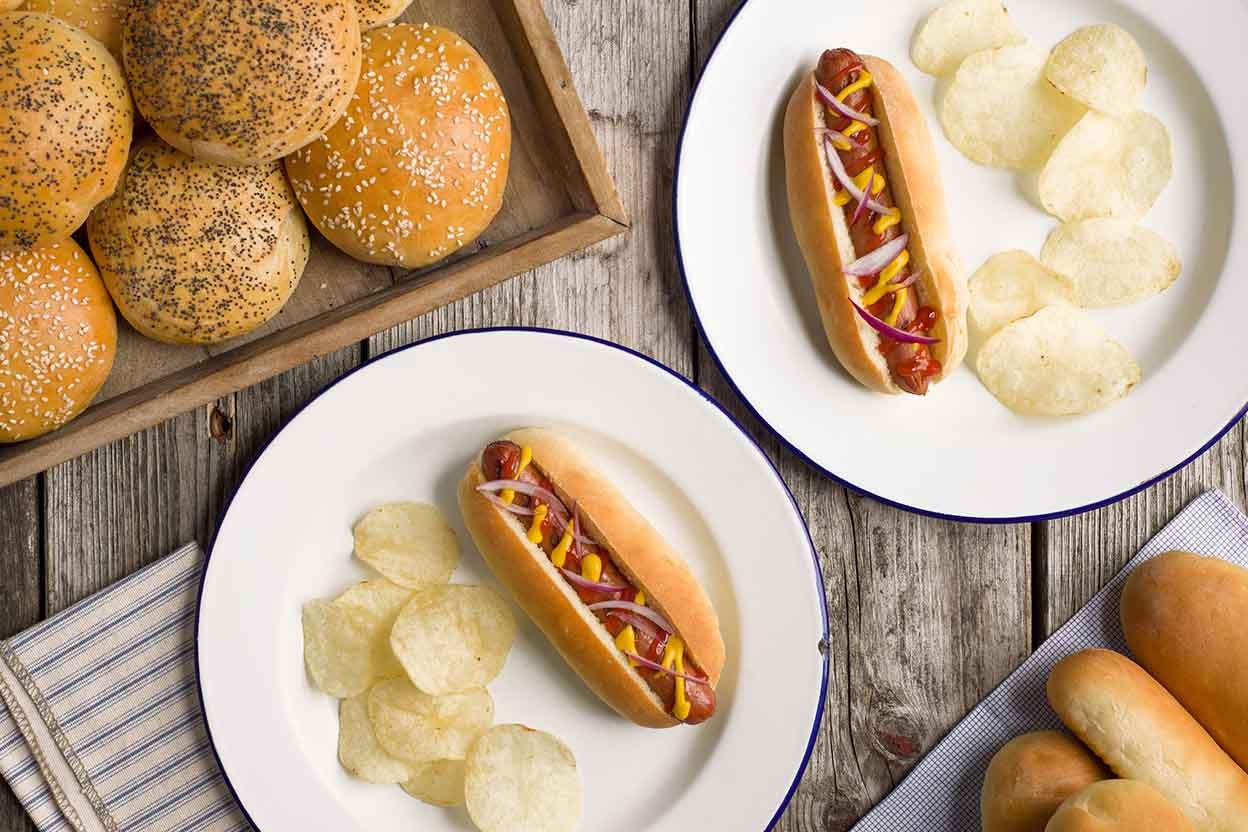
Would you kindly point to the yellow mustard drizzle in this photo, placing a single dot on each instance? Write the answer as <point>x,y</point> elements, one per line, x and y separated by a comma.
<point>674,659</point>
<point>535,528</point>
<point>627,641</point>
<point>886,221</point>
<point>864,80</point>
<point>640,599</point>
<point>591,568</point>
<point>899,300</point>
<point>853,129</point>
<point>526,456</point>
<point>559,555</point>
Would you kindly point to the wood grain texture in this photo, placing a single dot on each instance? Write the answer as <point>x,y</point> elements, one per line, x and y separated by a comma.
<point>910,600</point>
<point>20,589</point>
<point>1076,556</point>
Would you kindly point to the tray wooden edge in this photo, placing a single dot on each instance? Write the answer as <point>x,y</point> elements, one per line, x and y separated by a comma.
<point>222,375</point>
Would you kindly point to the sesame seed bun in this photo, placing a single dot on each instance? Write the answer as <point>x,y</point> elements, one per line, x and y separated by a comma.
<point>58,337</point>
<point>416,168</point>
<point>101,19</point>
<point>374,13</point>
<point>9,5</point>
<point>64,129</point>
<point>195,252</point>
<point>241,83</point>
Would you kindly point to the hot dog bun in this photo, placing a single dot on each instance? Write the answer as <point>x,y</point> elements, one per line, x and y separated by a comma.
<point>1118,806</point>
<point>1031,776</point>
<point>637,549</point>
<point>823,234</point>
<point>1143,733</point>
<point>1183,617</point>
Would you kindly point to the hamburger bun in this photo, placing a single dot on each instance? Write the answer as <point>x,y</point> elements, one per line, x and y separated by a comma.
<point>1183,617</point>
<point>1031,776</point>
<point>64,129</point>
<point>101,19</point>
<point>58,337</point>
<point>1119,806</point>
<point>241,83</point>
<point>1143,733</point>
<point>195,252</point>
<point>416,168</point>
<point>374,13</point>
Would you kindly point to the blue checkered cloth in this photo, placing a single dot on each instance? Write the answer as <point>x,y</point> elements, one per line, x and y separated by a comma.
<point>942,792</point>
<point>100,724</point>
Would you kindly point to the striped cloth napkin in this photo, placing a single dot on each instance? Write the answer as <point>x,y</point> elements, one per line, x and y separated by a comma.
<point>100,727</point>
<point>942,792</point>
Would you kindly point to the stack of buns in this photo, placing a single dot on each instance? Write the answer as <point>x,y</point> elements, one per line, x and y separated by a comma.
<point>396,140</point>
<point>1174,726</point>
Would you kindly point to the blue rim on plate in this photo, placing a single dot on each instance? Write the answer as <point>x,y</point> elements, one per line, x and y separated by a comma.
<point>710,348</point>
<point>814,555</point>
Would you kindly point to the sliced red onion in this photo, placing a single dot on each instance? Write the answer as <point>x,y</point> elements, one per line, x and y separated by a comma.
<point>586,583</point>
<point>909,281</point>
<point>838,138</point>
<point>826,96</point>
<point>862,205</point>
<point>875,262</point>
<point>842,176</point>
<point>638,609</point>
<point>503,504</point>
<point>893,332</point>
<point>656,666</point>
<point>642,624</point>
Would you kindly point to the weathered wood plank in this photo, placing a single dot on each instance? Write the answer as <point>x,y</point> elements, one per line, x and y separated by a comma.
<point>1079,555</point>
<point>120,507</point>
<point>630,62</point>
<point>19,594</point>
<point>926,616</point>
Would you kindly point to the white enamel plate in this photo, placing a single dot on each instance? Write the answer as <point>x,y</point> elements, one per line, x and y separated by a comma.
<point>958,452</point>
<point>404,428</point>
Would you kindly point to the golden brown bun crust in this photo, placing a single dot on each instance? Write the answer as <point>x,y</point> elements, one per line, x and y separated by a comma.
<point>374,13</point>
<point>559,614</point>
<point>101,19</point>
<point>241,83</point>
<point>1184,618</point>
<point>824,237</point>
<point>914,171</point>
<point>1143,733</point>
<point>195,252</point>
<point>65,129</point>
<point>1119,806</point>
<point>1031,776</point>
<point>58,337</point>
<point>417,167</point>
<point>640,552</point>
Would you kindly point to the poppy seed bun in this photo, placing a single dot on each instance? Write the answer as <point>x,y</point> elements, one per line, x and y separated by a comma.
<point>195,252</point>
<point>416,168</point>
<point>58,337</point>
<point>101,19</point>
<point>241,83</point>
<point>64,129</point>
<point>374,13</point>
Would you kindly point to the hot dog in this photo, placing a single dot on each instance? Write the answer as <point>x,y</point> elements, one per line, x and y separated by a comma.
<point>597,579</point>
<point>868,210</point>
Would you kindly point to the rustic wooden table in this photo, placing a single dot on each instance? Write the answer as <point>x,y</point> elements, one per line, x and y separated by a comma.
<point>927,616</point>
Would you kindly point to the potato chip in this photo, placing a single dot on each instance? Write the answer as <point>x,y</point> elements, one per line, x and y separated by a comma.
<point>1108,167</point>
<point>1001,111</point>
<point>520,780</point>
<point>959,29</point>
<point>409,543</point>
<point>440,783</point>
<point>1111,262</point>
<point>358,749</point>
<point>346,641</point>
<point>417,727</point>
<point>1058,362</point>
<point>337,650</point>
<point>452,638</point>
<point>1013,285</point>
<point>1101,66</point>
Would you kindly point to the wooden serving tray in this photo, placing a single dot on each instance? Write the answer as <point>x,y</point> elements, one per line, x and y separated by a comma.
<point>559,199</point>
